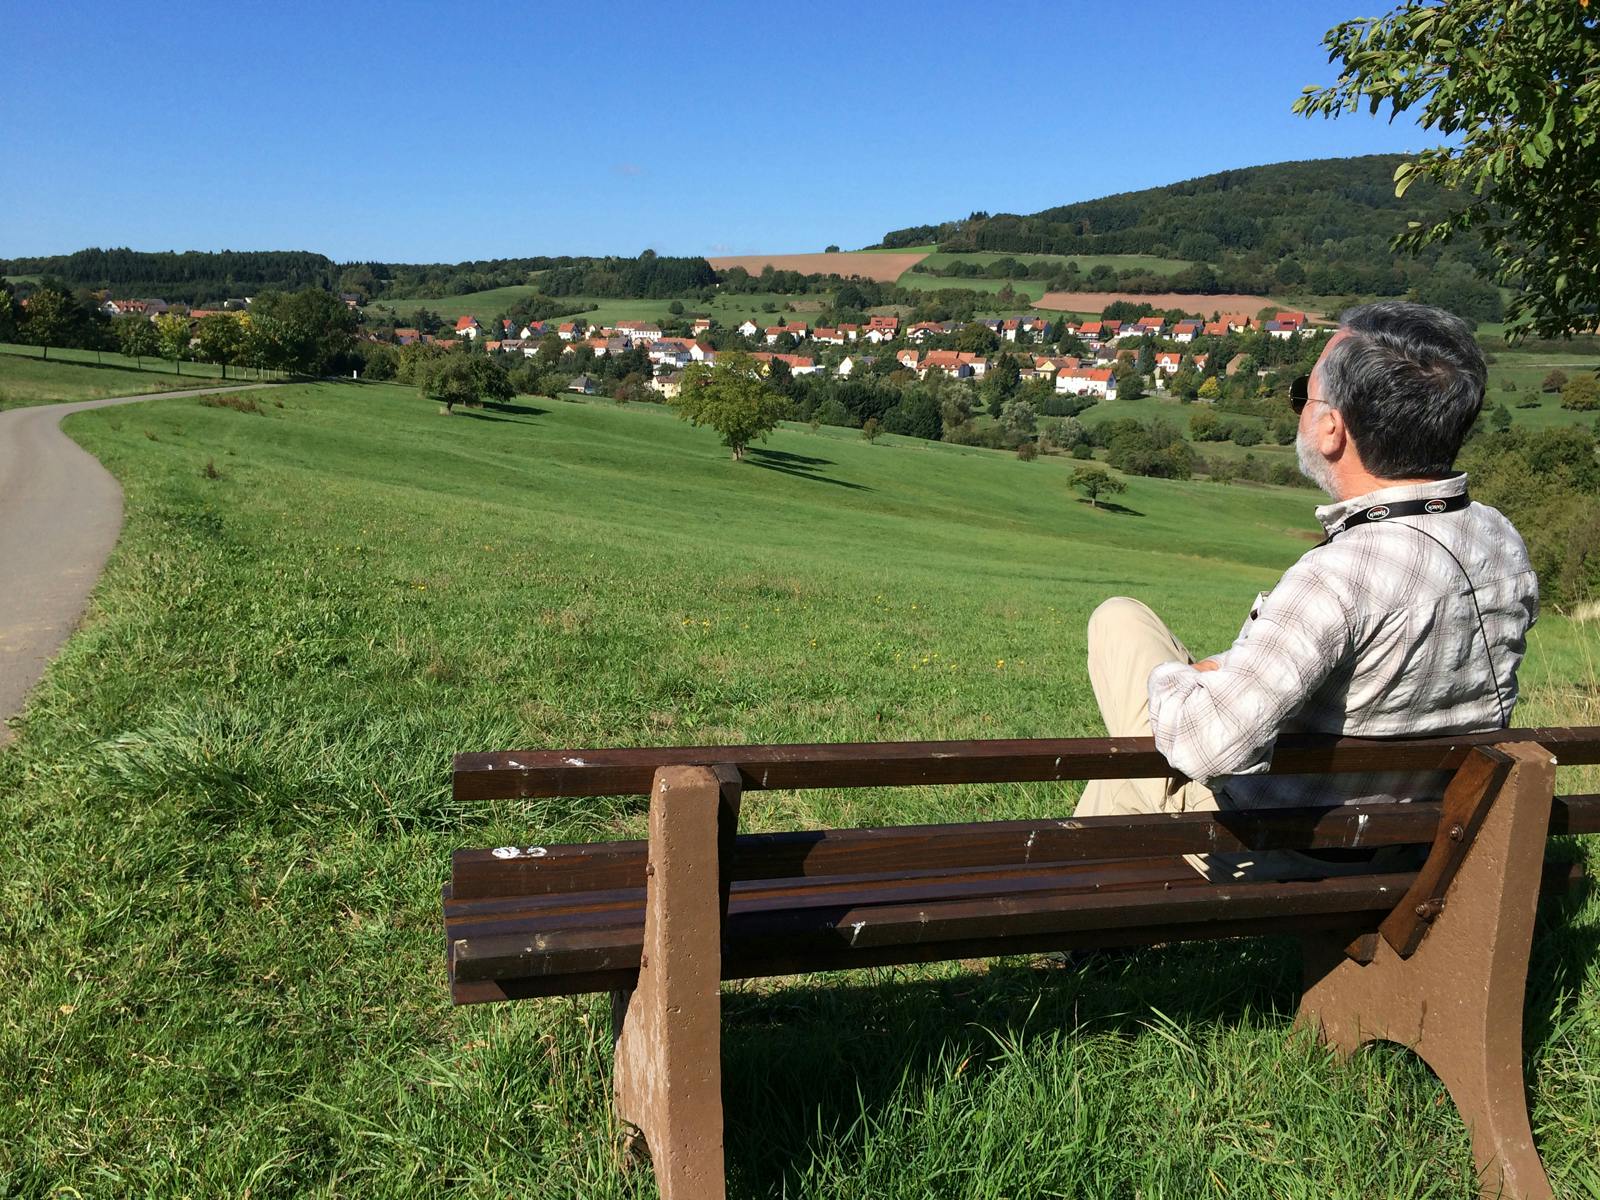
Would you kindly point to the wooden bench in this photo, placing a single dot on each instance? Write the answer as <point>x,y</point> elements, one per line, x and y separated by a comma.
<point>1435,959</point>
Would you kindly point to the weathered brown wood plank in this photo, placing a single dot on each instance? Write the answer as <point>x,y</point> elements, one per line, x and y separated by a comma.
<point>607,772</point>
<point>608,865</point>
<point>756,954</point>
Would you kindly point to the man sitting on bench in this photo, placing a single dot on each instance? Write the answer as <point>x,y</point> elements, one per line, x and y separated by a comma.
<point>1409,619</point>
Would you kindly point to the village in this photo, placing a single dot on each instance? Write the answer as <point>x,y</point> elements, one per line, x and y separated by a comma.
<point>1092,373</point>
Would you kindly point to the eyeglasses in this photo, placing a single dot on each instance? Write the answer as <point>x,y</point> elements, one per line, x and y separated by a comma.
<point>1299,393</point>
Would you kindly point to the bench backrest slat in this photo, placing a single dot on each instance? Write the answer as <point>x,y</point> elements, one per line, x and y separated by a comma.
<point>511,774</point>
<point>609,865</point>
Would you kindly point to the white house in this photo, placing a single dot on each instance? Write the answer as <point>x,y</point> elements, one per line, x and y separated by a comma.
<point>1088,381</point>
<point>748,328</point>
<point>468,327</point>
<point>639,331</point>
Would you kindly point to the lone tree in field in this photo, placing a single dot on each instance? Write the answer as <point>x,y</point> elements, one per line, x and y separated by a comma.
<point>733,399</point>
<point>1095,482</point>
<point>456,377</point>
<point>1516,84</point>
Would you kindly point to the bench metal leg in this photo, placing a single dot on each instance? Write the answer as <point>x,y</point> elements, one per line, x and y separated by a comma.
<point>1457,1000</point>
<point>668,1030</point>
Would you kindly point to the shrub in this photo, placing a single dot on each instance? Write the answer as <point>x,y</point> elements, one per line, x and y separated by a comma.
<point>244,404</point>
<point>1028,451</point>
<point>1581,394</point>
<point>1554,381</point>
<point>1246,435</point>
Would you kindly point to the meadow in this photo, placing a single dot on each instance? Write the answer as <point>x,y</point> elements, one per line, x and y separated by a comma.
<point>26,378</point>
<point>728,310</point>
<point>1086,262</point>
<point>231,816</point>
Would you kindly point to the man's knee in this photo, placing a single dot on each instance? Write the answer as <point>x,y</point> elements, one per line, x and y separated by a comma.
<point>1115,613</point>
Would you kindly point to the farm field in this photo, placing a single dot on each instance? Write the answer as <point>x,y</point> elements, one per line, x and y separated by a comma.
<point>1095,302</point>
<point>222,909</point>
<point>25,379</point>
<point>883,267</point>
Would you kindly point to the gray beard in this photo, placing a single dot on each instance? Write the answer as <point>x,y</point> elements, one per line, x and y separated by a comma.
<point>1313,466</point>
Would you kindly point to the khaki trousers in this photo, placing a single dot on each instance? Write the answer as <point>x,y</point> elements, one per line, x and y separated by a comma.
<point>1126,642</point>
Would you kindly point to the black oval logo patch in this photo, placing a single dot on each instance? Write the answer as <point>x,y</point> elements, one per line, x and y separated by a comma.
<point>1434,506</point>
<point>1378,513</point>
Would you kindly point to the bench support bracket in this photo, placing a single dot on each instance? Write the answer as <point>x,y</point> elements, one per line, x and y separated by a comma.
<point>668,1030</point>
<point>1457,999</point>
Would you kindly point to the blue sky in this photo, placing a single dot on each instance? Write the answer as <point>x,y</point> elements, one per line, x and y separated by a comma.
<point>414,133</point>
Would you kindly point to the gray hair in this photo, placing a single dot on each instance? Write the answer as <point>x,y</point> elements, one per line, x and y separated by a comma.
<point>1408,380</point>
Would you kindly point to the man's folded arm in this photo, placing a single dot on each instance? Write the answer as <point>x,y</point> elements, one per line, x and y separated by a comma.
<point>1210,724</point>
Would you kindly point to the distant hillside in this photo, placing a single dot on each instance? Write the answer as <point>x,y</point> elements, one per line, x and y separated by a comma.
<point>1321,226</point>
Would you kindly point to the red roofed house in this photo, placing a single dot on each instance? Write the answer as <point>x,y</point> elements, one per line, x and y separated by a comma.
<point>1296,319</point>
<point>1186,331</point>
<point>701,325</point>
<point>1088,381</point>
<point>468,327</point>
<point>567,331</point>
<point>1167,360</point>
<point>406,336</point>
<point>1216,329</point>
<point>907,359</point>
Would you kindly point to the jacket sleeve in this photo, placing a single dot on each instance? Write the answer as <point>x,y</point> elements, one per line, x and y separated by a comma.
<point>1225,722</point>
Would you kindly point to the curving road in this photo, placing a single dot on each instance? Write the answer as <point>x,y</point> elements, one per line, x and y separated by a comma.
<point>60,513</point>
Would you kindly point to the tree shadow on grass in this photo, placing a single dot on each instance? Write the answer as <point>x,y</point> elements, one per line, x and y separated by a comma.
<point>794,459</point>
<point>799,466</point>
<point>1112,506</point>
<point>524,410</point>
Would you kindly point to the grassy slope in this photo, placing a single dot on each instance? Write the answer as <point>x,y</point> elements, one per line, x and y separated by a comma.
<point>74,375</point>
<point>231,818</point>
<point>1086,262</point>
<point>728,310</point>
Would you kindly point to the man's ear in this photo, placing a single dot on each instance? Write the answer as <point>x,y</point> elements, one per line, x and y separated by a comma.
<point>1333,435</point>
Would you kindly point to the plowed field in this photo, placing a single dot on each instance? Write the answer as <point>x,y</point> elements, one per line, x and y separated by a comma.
<point>884,268</point>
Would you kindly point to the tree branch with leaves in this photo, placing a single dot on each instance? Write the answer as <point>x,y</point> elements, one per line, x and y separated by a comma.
<point>1516,83</point>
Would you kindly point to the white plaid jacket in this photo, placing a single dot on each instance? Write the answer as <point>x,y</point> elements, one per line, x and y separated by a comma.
<point>1371,634</point>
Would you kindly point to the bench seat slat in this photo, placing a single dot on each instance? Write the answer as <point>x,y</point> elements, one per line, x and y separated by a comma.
<point>843,927</point>
<point>569,959</point>
<point>626,906</point>
<point>607,865</point>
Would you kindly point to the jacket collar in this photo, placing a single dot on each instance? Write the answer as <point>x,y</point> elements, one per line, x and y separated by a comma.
<point>1333,516</point>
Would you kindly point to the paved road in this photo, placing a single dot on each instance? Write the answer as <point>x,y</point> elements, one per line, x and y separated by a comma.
<point>60,513</point>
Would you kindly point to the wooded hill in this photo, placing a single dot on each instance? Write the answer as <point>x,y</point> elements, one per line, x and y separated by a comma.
<point>1324,225</point>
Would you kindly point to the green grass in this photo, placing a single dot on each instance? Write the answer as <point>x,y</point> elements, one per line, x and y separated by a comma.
<point>66,375</point>
<point>1031,288</point>
<point>1527,371</point>
<point>727,310</point>
<point>1086,262</point>
<point>230,817</point>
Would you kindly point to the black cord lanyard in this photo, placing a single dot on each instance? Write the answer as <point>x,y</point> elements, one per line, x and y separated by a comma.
<point>1429,508</point>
